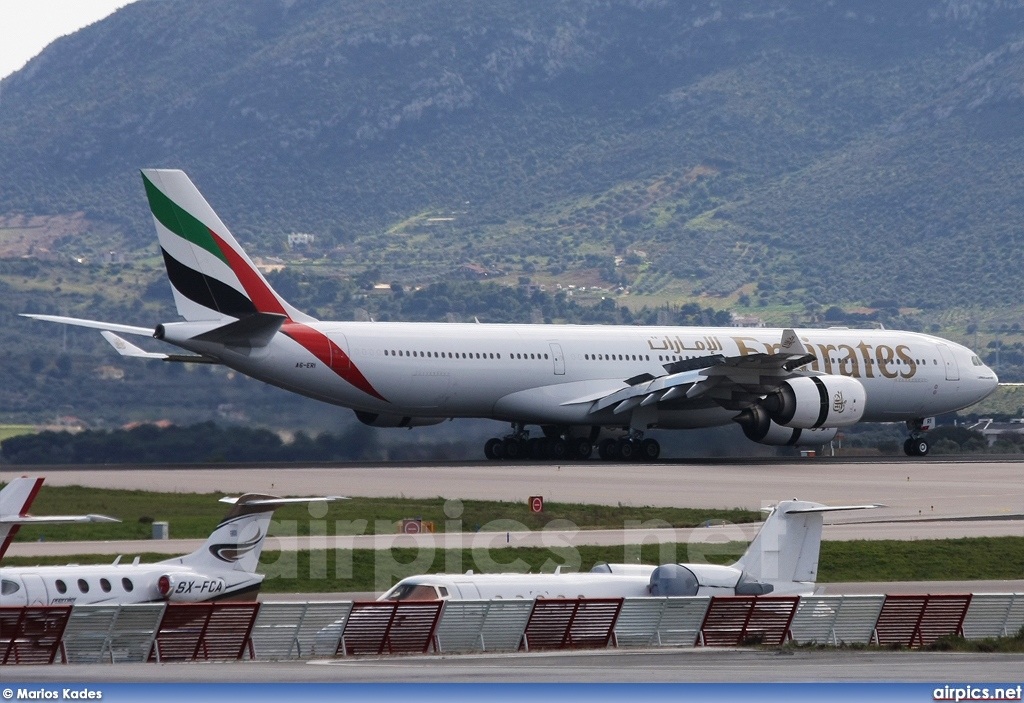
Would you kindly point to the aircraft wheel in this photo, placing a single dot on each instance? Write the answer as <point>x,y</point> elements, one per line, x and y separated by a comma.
<point>650,450</point>
<point>493,449</point>
<point>514,449</point>
<point>581,448</point>
<point>559,450</point>
<point>626,450</point>
<point>606,449</point>
<point>921,447</point>
<point>908,446</point>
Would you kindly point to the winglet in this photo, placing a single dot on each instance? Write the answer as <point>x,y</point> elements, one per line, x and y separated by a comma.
<point>791,343</point>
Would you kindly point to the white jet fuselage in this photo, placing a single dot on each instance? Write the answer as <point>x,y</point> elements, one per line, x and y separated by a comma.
<point>534,373</point>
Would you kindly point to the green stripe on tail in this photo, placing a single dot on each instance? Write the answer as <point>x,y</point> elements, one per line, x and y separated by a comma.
<point>179,221</point>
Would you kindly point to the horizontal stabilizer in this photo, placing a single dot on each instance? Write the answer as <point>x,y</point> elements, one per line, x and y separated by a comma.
<point>252,331</point>
<point>94,324</point>
<point>126,348</point>
<point>55,519</point>
<point>268,500</point>
<point>831,508</point>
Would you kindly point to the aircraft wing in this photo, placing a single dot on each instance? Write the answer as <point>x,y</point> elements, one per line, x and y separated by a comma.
<point>734,382</point>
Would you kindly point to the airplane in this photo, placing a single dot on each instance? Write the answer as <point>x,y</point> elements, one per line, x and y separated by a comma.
<point>222,569</point>
<point>15,500</point>
<point>782,559</point>
<point>782,386</point>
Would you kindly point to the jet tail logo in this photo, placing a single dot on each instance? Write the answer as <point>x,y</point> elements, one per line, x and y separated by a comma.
<point>231,553</point>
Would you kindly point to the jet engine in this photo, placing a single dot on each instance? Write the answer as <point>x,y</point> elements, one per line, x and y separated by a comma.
<point>760,428</point>
<point>809,402</point>
<point>188,587</point>
<point>385,420</point>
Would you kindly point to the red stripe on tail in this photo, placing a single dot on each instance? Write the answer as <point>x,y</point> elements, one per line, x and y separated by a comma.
<point>259,292</point>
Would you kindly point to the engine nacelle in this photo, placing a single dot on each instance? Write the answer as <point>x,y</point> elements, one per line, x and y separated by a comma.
<point>759,427</point>
<point>188,587</point>
<point>809,402</point>
<point>385,420</point>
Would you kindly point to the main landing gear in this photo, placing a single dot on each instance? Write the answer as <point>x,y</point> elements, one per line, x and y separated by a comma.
<point>559,445</point>
<point>553,446</point>
<point>916,444</point>
<point>629,448</point>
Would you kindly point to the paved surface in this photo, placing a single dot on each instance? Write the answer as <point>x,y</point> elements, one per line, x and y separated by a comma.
<point>911,488</point>
<point>627,666</point>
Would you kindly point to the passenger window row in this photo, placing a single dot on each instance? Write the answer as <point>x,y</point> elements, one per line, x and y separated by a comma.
<point>617,357</point>
<point>83,585</point>
<point>463,355</point>
<point>442,355</point>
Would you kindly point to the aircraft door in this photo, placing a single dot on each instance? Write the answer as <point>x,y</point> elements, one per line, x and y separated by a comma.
<point>468,590</point>
<point>949,361</point>
<point>35,589</point>
<point>559,360</point>
<point>340,360</point>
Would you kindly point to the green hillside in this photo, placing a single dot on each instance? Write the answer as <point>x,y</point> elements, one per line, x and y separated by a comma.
<point>833,154</point>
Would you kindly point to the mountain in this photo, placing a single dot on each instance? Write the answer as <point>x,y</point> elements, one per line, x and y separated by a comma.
<point>792,150</point>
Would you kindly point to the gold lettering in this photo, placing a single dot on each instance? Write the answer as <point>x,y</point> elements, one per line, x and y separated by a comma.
<point>885,356</point>
<point>865,350</point>
<point>771,348</point>
<point>903,351</point>
<point>741,346</point>
<point>825,349</point>
<point>815,366</point>
<point>851,360</point>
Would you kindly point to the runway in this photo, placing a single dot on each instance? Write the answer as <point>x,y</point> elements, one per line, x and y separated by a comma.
<point>594,666</point>
<point>911,488</point>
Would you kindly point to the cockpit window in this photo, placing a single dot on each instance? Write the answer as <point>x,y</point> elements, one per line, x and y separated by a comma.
<point>976,361</point>
<point>413,591</point>
<point>8,587</point>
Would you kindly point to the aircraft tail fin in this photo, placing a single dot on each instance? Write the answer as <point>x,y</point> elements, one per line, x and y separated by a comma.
<point>212,278</point>
<point>15,500</point>
<point>785,550</point>
<point>237,542</point>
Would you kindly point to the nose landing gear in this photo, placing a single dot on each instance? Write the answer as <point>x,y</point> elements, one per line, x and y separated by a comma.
<point>916,444</point>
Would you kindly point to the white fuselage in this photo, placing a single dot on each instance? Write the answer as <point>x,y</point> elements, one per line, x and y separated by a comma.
<point>120,584</point>
<point>533,373</point>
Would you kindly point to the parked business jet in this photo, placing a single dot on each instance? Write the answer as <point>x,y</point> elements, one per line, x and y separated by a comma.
<point>222,569</point>
<point>794,387</point>
<point>15,500</point>
<point>782,560</point>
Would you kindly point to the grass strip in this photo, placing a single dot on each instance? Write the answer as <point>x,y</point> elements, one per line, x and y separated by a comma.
<point>195,515</point>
